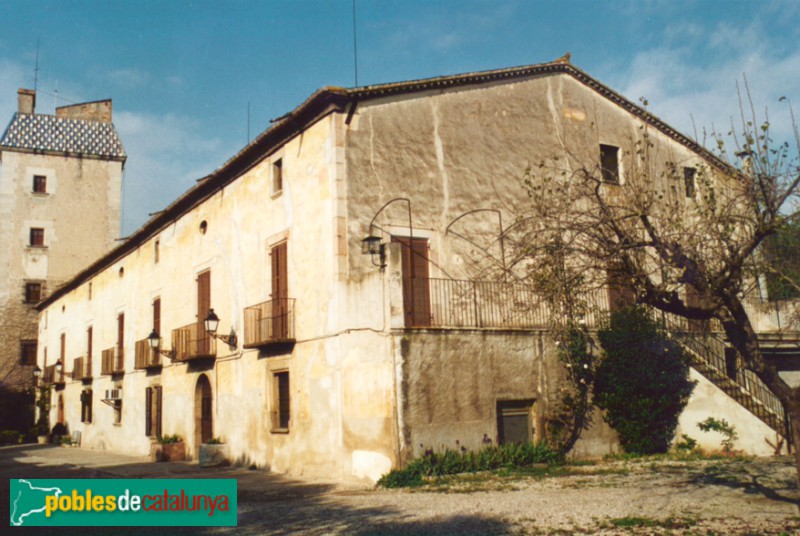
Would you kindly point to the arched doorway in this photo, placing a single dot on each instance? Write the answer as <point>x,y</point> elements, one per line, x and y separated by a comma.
<point>203,420</point>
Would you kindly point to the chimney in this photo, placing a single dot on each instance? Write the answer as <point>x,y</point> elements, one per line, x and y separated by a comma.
<point>27,100</point>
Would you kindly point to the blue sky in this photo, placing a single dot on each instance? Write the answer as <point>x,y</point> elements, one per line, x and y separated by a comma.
<point>181,73</point>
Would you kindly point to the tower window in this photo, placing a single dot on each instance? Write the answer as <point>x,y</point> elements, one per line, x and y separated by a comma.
<point>33,292</point>
<point>37,237</point>
<point>40,184</point>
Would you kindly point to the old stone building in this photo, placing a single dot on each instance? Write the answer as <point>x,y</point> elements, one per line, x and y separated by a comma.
<point>342,253</point>
<point>60,194</point>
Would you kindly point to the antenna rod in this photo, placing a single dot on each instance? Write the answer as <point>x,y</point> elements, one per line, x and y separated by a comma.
<point>36,69</point>
<point>355,44</point>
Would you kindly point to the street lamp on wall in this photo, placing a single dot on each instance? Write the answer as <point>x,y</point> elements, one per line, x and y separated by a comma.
<point>154,340</point>
<point>373,245</point>
<point>212,323</point>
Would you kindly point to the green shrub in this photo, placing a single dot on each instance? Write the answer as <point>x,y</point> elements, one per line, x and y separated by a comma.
<point>167,439</point>
<point>686,444</point>
<point>10,437</point>
<point>214,441</point>
<point>450,462</point>
<point>642,383</point>
<point>723,427</point>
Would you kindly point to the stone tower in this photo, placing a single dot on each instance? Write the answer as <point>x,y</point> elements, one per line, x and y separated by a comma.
<point>60,203</point>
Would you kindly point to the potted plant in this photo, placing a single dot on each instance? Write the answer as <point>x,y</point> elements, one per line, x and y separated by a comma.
<point>172,449</point>
<point>213,453</point>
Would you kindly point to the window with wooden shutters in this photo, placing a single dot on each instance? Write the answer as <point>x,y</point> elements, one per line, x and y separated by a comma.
<point>63,355</point>
<point>86,406</point>
<point>148,411</point>
<point>157,395</point>
<point>152,411</point>
<point>280,290</point>
<point>89,351</point>
<point>40,184</point>
<point>416,285</point>
<point>33,292</point>
<point>157,315</point>
<point>28,352</point>
<point>119,363</point>
<point>37,237</point>
<point>203,307</point>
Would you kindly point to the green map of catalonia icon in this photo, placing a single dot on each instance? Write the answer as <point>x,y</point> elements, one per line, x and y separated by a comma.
<point>28,500</point>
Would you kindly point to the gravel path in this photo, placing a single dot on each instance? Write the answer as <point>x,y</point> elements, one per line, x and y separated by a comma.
<point>738,496</point>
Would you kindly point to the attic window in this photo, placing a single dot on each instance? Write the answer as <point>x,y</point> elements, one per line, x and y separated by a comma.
<point>277,176</point>
<point>203,227</point>
<point>609,163</point>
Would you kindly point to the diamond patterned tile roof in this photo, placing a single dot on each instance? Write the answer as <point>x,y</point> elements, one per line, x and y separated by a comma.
<point>39,132</point>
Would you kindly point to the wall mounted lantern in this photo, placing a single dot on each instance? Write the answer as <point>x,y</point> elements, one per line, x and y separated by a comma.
<point>154,340</point>
<point>212,323</point>
<point>37,373</point>
<point>373,245</point>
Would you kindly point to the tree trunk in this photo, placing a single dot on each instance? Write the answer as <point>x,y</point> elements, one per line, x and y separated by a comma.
<point>793,414</point>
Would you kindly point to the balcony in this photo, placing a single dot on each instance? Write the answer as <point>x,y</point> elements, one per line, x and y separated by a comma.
<point>269,323</point>
<point>192,342</point>
<point>113,361</point>
<point>146,357</point>
<point>81,369</point>
<point>453,303</point>
<point>51,377</point>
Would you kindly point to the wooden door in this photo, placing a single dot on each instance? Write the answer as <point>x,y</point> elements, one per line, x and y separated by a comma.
<point>416,285</point>
<point>204,424</point>
<point>280,292</point>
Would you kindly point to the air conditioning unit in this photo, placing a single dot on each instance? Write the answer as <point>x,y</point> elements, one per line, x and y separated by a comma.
<point>113,394</point>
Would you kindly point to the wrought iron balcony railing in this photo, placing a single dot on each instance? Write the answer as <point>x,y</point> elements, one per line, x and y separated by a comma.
<point>271,322</point>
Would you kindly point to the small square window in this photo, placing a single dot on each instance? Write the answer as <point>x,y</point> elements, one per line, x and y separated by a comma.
<point>515,422</point>
<point>33,292</point>
<point>27,352</point>
<point>689,174</point>
<point>39,184</point>
<point>277,176</point>
<point>609,163</point>
<point>281,400</point>
<point>37,237</point>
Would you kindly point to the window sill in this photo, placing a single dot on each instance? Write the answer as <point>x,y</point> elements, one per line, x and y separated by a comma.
<point>31,246</point>
<point>279,431</point>
<point>40,194</point>
<point>276,195</point>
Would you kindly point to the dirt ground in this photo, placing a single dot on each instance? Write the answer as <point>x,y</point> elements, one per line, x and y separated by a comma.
<point>710,496</point>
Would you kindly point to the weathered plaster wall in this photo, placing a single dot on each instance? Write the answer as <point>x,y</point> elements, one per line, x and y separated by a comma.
<point>80,213</point>
<point>341,376</point>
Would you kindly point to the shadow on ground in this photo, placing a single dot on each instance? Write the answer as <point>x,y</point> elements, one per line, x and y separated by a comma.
<point>743,476</point>
<point>267,503</point>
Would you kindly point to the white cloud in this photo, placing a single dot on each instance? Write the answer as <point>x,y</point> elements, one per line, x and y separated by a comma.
<point>166,155</point>
<point>697,77</point>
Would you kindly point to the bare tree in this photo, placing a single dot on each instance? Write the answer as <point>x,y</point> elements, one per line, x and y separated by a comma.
<point>685,240</point>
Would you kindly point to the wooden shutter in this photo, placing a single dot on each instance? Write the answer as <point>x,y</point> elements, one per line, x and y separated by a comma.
<point>148,411</point>
<point>158,395</point>
<point>89,351</point>
<point>157,315</point>
<point>203,307</point>
<point>280,291</point>
<point>120,342</point>
<point>416,285</point>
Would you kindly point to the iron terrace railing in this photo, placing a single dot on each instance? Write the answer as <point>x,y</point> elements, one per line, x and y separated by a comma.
<point>271,322</point>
